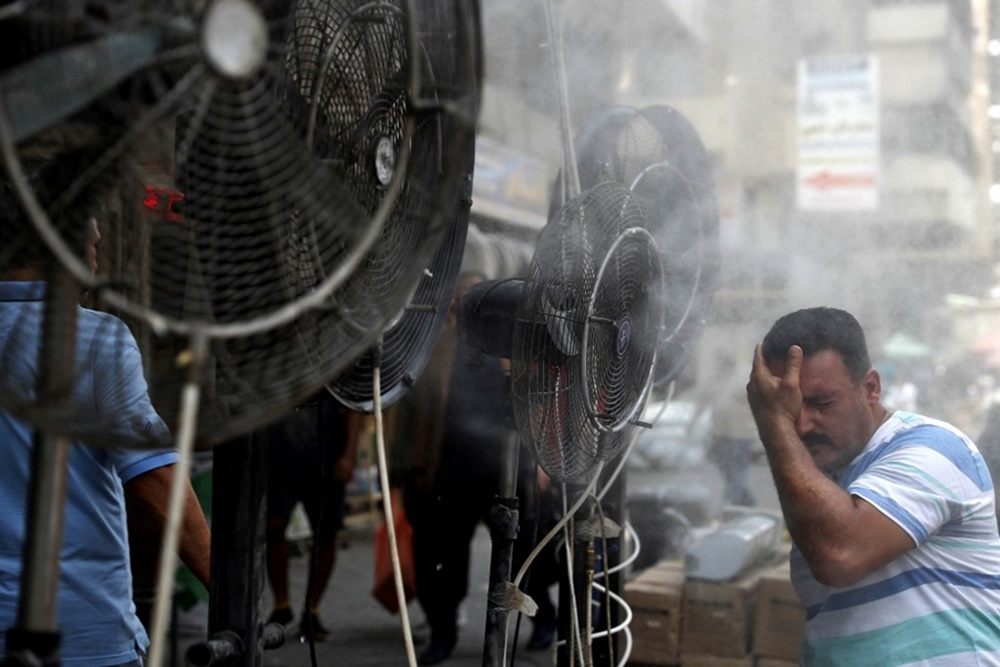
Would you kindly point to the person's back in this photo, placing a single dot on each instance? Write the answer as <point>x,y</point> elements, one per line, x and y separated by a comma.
<point>97,622</point>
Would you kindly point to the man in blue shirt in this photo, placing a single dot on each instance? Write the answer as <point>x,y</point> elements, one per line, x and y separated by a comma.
<point>96,615</point>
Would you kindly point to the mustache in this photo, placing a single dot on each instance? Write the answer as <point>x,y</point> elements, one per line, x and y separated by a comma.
<point>816,439</point>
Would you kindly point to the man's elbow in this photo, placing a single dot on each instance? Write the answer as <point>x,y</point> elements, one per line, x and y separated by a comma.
<point>837,569</point>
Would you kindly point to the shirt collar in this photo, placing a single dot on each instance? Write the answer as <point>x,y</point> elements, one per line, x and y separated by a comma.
<point>11,290</point>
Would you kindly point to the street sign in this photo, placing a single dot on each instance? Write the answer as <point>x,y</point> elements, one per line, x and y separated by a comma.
<point>838,133</point>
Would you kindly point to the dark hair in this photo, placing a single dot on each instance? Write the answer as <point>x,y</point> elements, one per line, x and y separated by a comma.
<point>816,330</point>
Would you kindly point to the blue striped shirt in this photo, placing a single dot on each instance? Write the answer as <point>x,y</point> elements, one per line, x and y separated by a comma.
<point>937,605</point>
<point>96,616</point>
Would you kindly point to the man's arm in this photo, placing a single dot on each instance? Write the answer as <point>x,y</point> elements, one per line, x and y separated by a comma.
<point>150,494</point>
<point>843,538</point>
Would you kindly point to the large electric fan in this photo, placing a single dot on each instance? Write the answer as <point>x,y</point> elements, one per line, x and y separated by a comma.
<point>405,346</point>
<point>658,155</point>
<point>586,332</point>
<point>271,179</point>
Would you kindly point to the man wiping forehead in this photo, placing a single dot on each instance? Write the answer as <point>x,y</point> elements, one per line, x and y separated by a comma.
<point>896,555</point>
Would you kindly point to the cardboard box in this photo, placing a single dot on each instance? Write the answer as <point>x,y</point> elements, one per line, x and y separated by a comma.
<point>715,661</point>
<point>775,662</point>
<point>781,619</point>
<point>717,617</point>
<point>655,598</point>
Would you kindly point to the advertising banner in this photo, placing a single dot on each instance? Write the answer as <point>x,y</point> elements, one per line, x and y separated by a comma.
<point>838,133</point>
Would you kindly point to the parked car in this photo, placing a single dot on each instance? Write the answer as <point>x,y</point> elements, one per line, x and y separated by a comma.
<point>672,442</point>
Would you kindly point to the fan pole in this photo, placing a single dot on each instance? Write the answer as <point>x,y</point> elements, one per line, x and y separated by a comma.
<point>236,587</point>
<point>190,397</point>
<point>612,506</point>
<point>35,639</point>
<point>503,520</point>
<point>571,182</point>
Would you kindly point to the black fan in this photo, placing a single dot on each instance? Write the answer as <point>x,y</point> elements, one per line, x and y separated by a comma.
<point>406,345</point>
<point>272,178</point>
<point>586,332</point>
<point>658,155</point>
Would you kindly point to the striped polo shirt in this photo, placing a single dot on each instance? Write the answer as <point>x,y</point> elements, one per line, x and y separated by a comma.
<point>938,604</point>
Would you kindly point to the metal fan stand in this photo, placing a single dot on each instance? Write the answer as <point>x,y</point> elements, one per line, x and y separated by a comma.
<point>504,519</point>
<point>34,640</point>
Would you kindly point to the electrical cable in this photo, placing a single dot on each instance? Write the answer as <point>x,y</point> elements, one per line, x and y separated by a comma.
<point>383,469</point>
<point>559,525</point>
<point>625,563</point>
<point>624,605</point>
<point>631,557</point>
<point>618,628</point>
<point>556,529</point>
<point>627,652</point>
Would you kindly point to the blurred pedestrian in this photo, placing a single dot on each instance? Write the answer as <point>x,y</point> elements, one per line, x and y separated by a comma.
<point>311,455</point>
<point>892,515</point>
<point>453,425</point>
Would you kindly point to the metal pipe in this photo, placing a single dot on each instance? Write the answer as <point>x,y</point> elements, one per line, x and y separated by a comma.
<point>36,632</point>
<point>223,646</point>
<point>503,531</point>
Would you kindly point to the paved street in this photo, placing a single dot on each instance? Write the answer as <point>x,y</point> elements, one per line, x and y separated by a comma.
<point>364,634</point>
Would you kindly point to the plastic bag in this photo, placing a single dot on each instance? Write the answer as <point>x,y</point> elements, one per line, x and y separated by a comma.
<point>384,588</point>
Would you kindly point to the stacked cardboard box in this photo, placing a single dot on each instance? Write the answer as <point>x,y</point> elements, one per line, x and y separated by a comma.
<point>781,618</point>
<point>655,598</point>
<point>715,661</point>
<point>717,620</point>
<point>752,621</point>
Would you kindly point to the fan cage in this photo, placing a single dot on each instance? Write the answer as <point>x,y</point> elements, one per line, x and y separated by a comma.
<point>282,259</point>
<point>243,154</point>
<point>563,337</point>
<point>621,330</point>
<point>657,154</point>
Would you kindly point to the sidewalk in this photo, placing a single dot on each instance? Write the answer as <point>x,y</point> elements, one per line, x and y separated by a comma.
<point>364,634</point>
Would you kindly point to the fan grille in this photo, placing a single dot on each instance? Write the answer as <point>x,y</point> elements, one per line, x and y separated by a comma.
<point>286,215</point>
<point>657,154</point>
<point>585,332</point>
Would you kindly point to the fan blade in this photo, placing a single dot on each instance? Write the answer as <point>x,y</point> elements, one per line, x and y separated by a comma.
<point>74,77</point>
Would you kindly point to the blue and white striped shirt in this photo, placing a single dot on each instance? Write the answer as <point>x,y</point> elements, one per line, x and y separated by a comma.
<point>937,605</point>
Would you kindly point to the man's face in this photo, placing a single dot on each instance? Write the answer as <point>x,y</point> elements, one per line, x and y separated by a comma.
<point>838,414</point>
